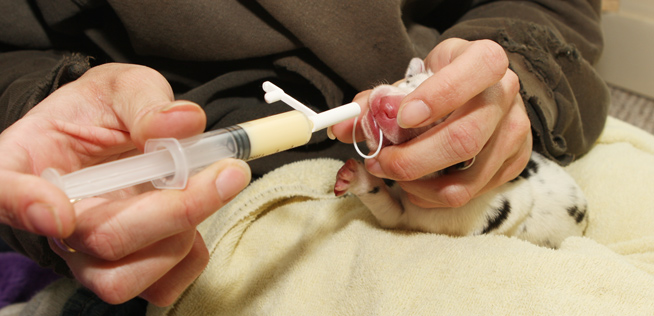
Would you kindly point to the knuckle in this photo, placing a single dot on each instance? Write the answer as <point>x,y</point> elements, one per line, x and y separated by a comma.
<point>106,246</point>
<point>523,126</point>
<point>446,45</point>
<point>519,125</point>
<point>464,140</point>
<point>106,83</point>
<point>139,72</point>
<point>447,84</point>
<point>135,77</point>
<point>110,285</point>
<point>188,213</point>
<point>494,57</point>
<point>457,196</point>
<point>399,168</point>
<point>512,82</point>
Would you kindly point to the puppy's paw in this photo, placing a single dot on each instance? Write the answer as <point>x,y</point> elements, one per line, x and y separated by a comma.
<point>346,177</point>
<point>354,178</point>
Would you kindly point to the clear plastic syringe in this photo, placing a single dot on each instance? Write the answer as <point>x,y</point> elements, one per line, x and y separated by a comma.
<point>168,162</point>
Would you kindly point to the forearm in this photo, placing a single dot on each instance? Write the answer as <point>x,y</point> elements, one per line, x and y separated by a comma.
<point>551,46</point>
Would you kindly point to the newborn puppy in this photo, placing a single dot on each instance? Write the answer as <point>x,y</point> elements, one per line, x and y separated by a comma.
<point>543,205</point>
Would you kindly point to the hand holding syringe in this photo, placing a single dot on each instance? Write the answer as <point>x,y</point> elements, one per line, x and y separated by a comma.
<point>168,162</point>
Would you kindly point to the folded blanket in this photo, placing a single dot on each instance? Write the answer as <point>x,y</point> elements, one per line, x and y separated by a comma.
<point>288,246</point>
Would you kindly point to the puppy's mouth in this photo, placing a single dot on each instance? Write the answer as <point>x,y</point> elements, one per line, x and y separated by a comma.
<point>373,133</point>
<point>382,115</point>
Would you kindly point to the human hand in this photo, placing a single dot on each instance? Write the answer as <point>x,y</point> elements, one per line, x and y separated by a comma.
<point>133,242</point>
<point>488,120</point>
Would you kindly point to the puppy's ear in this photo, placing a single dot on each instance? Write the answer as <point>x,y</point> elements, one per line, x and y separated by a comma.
<point>416,66</point>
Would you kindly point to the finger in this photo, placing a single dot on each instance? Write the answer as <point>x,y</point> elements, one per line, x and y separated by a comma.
<point>459,138</point>
<point>167,289</point>
<point>474,67</point>
<point>118,281</point>
<point>459,188</point>
<point>30,203</point>
<point>143,101</point>
<point>456,188</point>
<point>178,119</point>
<point>343,130</point>
<point>502,160</point>
<point>118,228</point>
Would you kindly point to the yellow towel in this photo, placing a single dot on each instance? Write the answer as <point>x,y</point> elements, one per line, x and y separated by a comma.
<point>287,246</point>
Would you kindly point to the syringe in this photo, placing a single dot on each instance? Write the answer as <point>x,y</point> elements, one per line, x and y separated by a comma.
<point>169,162</point>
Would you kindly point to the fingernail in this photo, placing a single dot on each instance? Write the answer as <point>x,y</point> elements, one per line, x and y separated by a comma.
<point>179,105</point>
<point>413,113</point>
<point>330,133</point>
<point>41,217</point>
<point>232,180</point>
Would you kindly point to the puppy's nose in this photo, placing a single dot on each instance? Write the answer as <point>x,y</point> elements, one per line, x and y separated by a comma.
<point>387,106</point>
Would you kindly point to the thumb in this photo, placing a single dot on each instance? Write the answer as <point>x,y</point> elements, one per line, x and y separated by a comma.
<point>343,130</point>
<point>143,101</point>
<point>469,69</point>
<point>33,204</point>
<point>178,119</point>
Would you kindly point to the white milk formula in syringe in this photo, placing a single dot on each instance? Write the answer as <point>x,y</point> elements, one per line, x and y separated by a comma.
<point>168,162</point>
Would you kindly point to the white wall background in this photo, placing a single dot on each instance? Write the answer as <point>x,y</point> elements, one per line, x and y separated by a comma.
<point>628,58</point>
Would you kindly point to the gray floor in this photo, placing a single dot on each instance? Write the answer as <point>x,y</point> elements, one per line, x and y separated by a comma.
<point>632,108</point>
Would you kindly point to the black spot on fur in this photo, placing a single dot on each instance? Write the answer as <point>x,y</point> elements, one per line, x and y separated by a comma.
<point>503,214</point>
<point>389,182</point>
<point>374,190</point>
<point>523,229</point>
<point>576,213</point>
<point>530,169</point>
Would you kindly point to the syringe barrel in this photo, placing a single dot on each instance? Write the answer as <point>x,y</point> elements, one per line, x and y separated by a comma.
<point>272,134</point>
<point>246,141</point>
<point>108,177</point>
<point>166,162</point>
<point>192,154</point>
<point>169,162</point>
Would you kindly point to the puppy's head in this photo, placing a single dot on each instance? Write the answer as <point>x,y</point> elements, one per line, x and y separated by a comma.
<point>383,106</point>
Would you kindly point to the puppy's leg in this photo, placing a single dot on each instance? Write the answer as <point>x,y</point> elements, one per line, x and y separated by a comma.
<point>372,191</point>
<point>559,208</point>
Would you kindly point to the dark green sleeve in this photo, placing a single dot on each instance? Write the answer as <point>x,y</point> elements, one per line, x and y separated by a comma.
<point>552,46</point>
